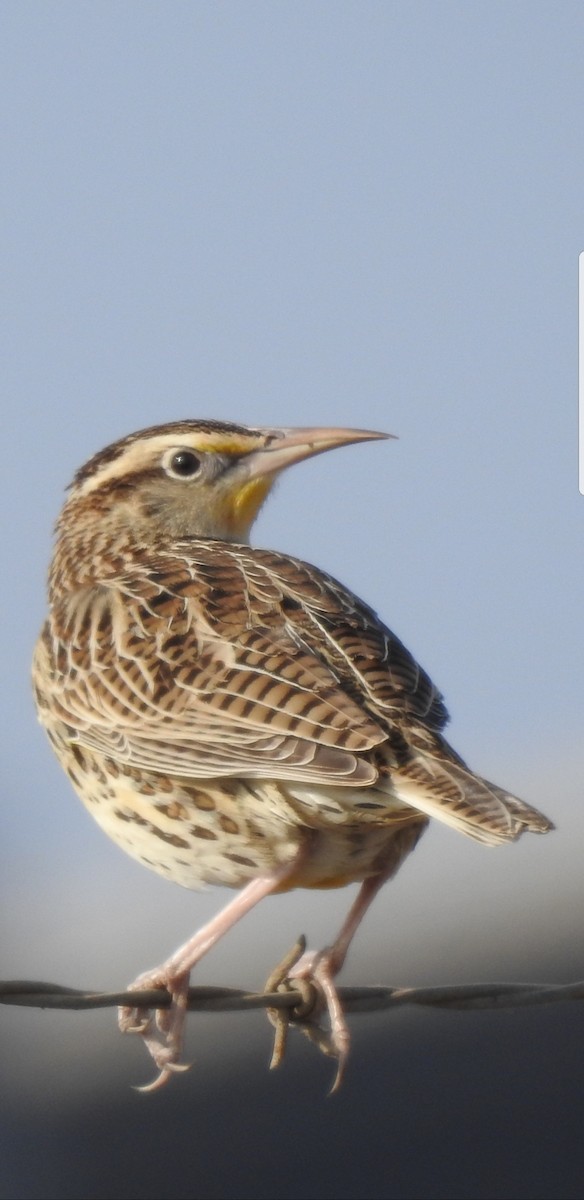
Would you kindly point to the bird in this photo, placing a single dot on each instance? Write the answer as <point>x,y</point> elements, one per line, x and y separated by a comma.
<point>231,715</point>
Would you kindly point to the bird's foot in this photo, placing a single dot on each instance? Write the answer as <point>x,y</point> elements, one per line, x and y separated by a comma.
<point>312,973</point>
<point>163,1030</point>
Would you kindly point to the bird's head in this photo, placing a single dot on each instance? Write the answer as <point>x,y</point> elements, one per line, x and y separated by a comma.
<point>193,478</point>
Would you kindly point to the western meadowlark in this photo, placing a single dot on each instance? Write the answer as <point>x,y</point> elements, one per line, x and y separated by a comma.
<point>233,715</point>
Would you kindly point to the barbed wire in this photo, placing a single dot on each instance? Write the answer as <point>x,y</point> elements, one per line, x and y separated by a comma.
<point>23,993</point>
<point>294,1002</point>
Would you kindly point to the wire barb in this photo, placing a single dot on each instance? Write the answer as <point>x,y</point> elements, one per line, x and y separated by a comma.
<point>277,981</point>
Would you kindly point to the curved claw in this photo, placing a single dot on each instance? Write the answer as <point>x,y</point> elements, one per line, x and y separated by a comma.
<point>340,1073</point>
<point>162,1031</point>
<point>166,1072</point>
<point>134,1020</point>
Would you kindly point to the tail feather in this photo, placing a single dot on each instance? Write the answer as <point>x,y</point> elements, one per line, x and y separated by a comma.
<point>448,791</point>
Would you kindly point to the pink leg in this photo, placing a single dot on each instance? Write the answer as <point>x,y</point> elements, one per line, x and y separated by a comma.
<point>174,976</point>
<point>322,966</point>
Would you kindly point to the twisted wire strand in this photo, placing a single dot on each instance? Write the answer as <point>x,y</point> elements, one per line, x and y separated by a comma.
<point>24,993</point>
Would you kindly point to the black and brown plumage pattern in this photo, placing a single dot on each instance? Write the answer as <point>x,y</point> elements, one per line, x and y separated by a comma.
<point>229,713</point>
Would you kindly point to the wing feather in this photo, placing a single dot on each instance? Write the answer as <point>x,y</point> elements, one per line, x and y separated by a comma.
<point>220,659</point>
<point>216,660</point>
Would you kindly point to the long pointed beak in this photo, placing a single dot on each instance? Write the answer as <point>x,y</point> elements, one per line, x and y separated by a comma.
<point>287,446</point>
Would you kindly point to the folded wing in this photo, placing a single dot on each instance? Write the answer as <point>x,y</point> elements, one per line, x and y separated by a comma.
<point>220,660</point>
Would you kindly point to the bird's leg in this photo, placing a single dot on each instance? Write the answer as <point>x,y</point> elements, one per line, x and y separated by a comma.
<point>315,971</point>
<point>320,967</point>
<point>164,1034</point>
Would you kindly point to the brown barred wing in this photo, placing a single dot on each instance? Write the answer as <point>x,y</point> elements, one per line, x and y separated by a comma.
<point>189,667</point>
<point>369,661</point>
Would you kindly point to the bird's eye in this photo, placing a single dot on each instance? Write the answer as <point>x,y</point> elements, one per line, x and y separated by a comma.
<point>183,464</point>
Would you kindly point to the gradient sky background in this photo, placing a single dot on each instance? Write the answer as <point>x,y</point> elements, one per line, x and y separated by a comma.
<point>293,213</point>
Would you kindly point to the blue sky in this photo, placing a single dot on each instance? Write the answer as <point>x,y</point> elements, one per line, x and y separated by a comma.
<point>343,213</point>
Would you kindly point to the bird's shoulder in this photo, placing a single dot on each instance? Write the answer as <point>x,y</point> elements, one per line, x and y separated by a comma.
<point>234,591</point>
